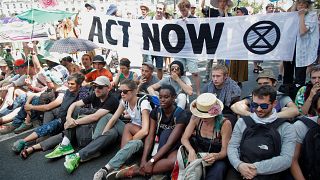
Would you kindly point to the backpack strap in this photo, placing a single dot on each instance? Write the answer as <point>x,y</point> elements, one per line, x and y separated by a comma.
<point>308,122</point>
<point>139,101</point>
<point>248,120</point>
<point>278,122</point>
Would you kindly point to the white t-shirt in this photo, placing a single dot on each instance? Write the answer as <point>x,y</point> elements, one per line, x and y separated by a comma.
<point>134,114</point>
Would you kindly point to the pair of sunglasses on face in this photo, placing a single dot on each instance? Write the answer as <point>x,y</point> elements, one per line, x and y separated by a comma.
<point>262,106</point>
<point>125,91</point>
<point>175,68</point>
<point>98,87</point>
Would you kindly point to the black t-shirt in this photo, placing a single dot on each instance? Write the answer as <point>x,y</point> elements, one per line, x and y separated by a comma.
<point>212,12</point>
<point>111,103</point>
<point>168,122</point>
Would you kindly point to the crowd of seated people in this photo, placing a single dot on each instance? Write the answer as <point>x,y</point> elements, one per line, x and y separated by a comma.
<point>83,111</point>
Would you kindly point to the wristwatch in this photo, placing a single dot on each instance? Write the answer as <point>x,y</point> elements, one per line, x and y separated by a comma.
<point>152,160</point>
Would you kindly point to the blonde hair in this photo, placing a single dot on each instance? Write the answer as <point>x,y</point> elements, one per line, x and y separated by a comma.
<point>221,67</point>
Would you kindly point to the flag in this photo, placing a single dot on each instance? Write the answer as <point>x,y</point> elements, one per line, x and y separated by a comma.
<point>47,3</point>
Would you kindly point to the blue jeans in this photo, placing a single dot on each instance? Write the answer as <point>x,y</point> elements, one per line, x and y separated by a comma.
<point>51,128</point>
<point>22,114</point>
<point>18,102</point>
<point>217,171</point>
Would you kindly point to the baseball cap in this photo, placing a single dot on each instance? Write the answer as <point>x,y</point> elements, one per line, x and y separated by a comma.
<point>19,62</point>
<point>3,62</point>
<point>266,73</point>
<point>102,81</point>
<point>98,58</point>
<point>149,64</point>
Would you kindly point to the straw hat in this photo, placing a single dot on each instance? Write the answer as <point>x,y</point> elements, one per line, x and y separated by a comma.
<point>207,105</point>
<point>215,3</point>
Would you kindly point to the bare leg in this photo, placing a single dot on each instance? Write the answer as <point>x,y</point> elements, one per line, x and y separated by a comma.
<point>129,131</point>
<point>160,73</point>
<point>28,119</point>
<point>165,165</point>
<point>9,117</point>
<point>31,137</point>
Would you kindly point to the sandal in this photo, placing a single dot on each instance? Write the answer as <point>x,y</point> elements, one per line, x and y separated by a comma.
<point>25,154</point>
<point>256,71</point>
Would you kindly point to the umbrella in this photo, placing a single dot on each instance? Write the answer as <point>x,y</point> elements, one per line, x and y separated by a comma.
<point>44,16</point>
<point>72,45</point>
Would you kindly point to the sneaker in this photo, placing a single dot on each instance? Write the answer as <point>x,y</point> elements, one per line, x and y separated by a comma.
<point>99,175</point>
<point>23,127</point>
<point>59,151</point>
<point>127,172</point>
<point>112,175</point>
<point>18,145</point>
<point>71,162</point>
<point>5,129</point>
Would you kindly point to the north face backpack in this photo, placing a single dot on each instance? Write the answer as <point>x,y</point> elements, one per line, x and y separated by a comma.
<point>260,142</point>
<point>309,160</point>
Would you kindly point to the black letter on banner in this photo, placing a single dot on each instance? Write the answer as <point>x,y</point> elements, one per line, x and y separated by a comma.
<point>108,32</point>
<point>205,34</point>
<point>180,36</point>
<point>96,21</point>
<point>146,34</point>
<point>125,26</point>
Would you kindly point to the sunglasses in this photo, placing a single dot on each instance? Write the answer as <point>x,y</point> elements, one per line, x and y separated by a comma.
<point>124,91</point>
<point>98,87</point>
<point>175,68</point>
<point>262,106</point>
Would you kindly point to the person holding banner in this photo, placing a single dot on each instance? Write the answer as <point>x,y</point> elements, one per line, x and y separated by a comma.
<point>179,81</point>
<point>306,46</point>
<point>190,64</point>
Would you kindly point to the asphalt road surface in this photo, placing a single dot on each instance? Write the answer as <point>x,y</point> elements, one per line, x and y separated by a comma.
<point>38,167</point>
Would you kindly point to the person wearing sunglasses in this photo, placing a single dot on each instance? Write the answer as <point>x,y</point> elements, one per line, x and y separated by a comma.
<point>100,103</point>
<point>285,107</point>
<point>178,81</point>
<point>133,132</point>
<point>250,161</point>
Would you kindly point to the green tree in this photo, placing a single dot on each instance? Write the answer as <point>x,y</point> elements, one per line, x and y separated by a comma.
<point>317,4</point>
<point>256,5</point>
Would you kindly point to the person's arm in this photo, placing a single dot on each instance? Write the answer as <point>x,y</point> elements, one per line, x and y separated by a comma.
<point>202,4</point>
<point>114,118</point>
<point>116,80</point>
<point>143,132</point>
<point>290,111</point>
<point>172,140</point>
<point>148,142</point>
<point>241,108</point>
<point>187,135</point>
<point>283,161</point>
<point>185,87</point>
<point>152,89</point>
<point>302,26</point>
<point>36,63</point>
<point>234,144</point>
<point>307,104</point>
<point>295,167</point>
<point>92,117</point>
<point>72,107</point>
<point>46,107</point>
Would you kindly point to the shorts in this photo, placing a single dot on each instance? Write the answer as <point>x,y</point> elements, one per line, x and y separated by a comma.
<point>190,65</point>
<point>159,61</point>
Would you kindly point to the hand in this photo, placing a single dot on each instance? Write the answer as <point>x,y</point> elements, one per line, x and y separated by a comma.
<point>211,157</point>
<point>191,156</point>
<point>147,168</point>
<point>143,163</point>
<point>174,76</point>
<point>28,107</point>
<point>27,81</point>
<point>302,12</point>
<point>314,90</point>
<point>69,124</point>
<point>248,171</point>
<point>142,80</point>
<point>9,101</point>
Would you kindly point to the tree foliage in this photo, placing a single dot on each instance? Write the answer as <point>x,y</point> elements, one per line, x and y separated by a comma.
<point>256,5</point>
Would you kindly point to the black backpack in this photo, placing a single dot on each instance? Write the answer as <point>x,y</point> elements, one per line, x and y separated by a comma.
<point>260,142</point>
<point>309,160</point>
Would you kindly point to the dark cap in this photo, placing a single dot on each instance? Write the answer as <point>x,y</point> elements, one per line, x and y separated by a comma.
<point>98,58</point>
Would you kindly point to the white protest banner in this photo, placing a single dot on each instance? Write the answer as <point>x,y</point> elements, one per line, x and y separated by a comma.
<point>256,37</point>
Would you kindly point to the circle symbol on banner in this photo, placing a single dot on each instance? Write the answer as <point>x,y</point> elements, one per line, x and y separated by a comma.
<point>262,37</point>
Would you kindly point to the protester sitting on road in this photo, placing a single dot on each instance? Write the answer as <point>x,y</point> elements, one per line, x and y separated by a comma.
<point>138,109</point>
<point>124,73</point>
<point>223,86</point>
<point>302,129</point>
<point>305,94</point>
<point>36,104</point>
<point>261,144</point>
<point>102,103</point>
<point>86,61</point>
<point>178,81</point>
<point>53,120</point>
<point>285,107</point>
<point>167,124</point>
<point>98,64</point>
<point>190,64</point>
<point>147,78</point>
<point>211,137</point>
